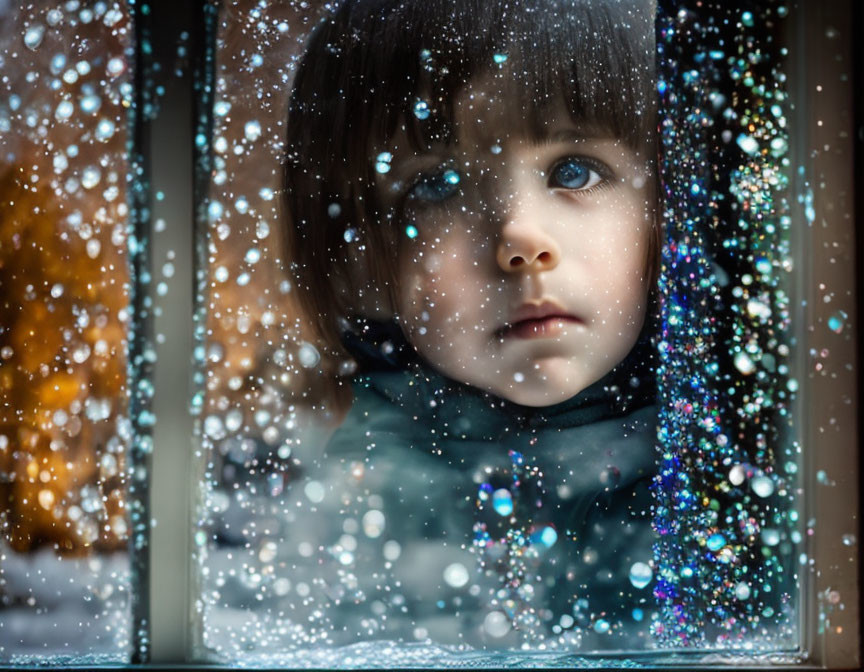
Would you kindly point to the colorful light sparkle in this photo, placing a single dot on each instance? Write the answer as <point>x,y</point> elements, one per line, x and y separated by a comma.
<point>725,512</point>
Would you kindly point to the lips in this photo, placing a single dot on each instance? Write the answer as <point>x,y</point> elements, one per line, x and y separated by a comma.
<point>545,319</point>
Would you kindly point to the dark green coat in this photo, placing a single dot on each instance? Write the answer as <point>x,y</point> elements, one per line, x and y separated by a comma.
<point>442,513</point>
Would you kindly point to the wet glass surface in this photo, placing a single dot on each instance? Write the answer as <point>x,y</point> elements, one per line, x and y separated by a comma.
<point>65,433</point>
<point>486,385</point>
<point>510,324</point>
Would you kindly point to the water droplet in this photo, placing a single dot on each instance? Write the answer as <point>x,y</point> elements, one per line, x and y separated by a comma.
<point>58,62</point>
<point>502,502</point>
<point>81,354</point>
<point>33,36</point>
<point>213,427</point>
<point>253,255</point>
<point>716,542</point>
<point>456,575</point>
<point>770,536</point>
<point>421,110</point>
<point>747,19</point>
<point>252,130</point>
<point>837,321</point>
<point>848,539</point>
<point>638,614</point>
<point>748,144</point>
<point>234,420</point>
<point>601,626</point>
<point>115,66</point>
<point>763,265</point>
<point>762,486</point>
<point>640,574</point>
<point>779,147</point>
<point>545,537</point>
<point>496,149</point>
<point>267,553</point>
<point>392,550</point>
<point>373,523</point>
<point>757,308</point>
<point>93,248</point>
<point>64,110</point>
<point>308,355</point>
<point>46,499</point>
<point>334,210</point>
<point>499,58</point>
<point>744,364</point>
<point>275,484</point>
<point>215,210</point>
<point>382,162</point>
<point>411,231</point>
<point>91,104</point>
<point>314,492</point>
<point>737,474</point>
<point>104,129</point>
<point>742,590</point>
<point>496,624</point>
<point>90,177</point>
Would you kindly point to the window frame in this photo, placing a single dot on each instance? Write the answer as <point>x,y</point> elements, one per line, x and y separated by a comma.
<point>830,401</point>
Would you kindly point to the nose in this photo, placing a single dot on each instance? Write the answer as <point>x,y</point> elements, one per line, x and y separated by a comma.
<point>524,246</point>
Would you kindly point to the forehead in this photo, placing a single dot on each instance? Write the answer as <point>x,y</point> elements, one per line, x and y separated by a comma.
<point>485,113</point>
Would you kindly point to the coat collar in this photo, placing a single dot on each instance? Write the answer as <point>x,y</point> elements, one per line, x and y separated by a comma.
<point>389,366</point>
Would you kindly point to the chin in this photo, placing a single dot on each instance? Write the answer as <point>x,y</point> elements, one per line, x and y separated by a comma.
<point>538,394</point>
<point>554,379</point>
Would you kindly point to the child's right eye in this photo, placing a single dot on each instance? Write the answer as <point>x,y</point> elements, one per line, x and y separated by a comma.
<point>436,187</point>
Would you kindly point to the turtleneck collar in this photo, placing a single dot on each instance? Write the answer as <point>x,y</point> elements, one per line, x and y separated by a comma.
<point>390,367</point>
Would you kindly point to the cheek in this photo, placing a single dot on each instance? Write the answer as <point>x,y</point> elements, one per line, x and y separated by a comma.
<point>609,247</point>
<point>440,290</point>
<point>618,233</point>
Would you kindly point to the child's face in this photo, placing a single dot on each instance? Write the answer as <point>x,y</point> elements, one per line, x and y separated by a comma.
<point>524,264</point>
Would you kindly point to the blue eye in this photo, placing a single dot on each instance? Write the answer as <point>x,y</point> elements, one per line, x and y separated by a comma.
<point>437,187</point>
<point>574,173</point>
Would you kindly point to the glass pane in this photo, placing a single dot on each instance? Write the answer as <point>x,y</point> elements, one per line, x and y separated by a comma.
<point>65,435</point>
<point>486,384</point>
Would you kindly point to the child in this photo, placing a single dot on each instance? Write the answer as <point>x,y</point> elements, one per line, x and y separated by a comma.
<point>469,189</point>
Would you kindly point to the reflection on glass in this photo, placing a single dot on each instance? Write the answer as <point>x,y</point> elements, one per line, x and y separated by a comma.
<point>64,432</point>
<point>430,416</point>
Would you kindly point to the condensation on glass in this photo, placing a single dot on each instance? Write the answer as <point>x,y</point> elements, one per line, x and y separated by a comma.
<point>412,499</point>
<point>66,590</point>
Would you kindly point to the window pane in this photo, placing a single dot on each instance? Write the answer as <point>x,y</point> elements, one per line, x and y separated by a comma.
<point>486,383</point>
<point>65,435</point>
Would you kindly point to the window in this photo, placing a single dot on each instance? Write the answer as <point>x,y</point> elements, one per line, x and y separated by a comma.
<point>457,397</point>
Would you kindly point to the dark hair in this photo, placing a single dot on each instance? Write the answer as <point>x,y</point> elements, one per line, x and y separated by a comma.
<point>369,62</point>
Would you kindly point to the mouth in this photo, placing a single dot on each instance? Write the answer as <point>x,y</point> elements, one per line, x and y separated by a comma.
<point>532,320</point>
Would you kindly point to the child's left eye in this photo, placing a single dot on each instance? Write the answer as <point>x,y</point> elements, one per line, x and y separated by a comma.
<point>575,173</point>
<point>436,187</point>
